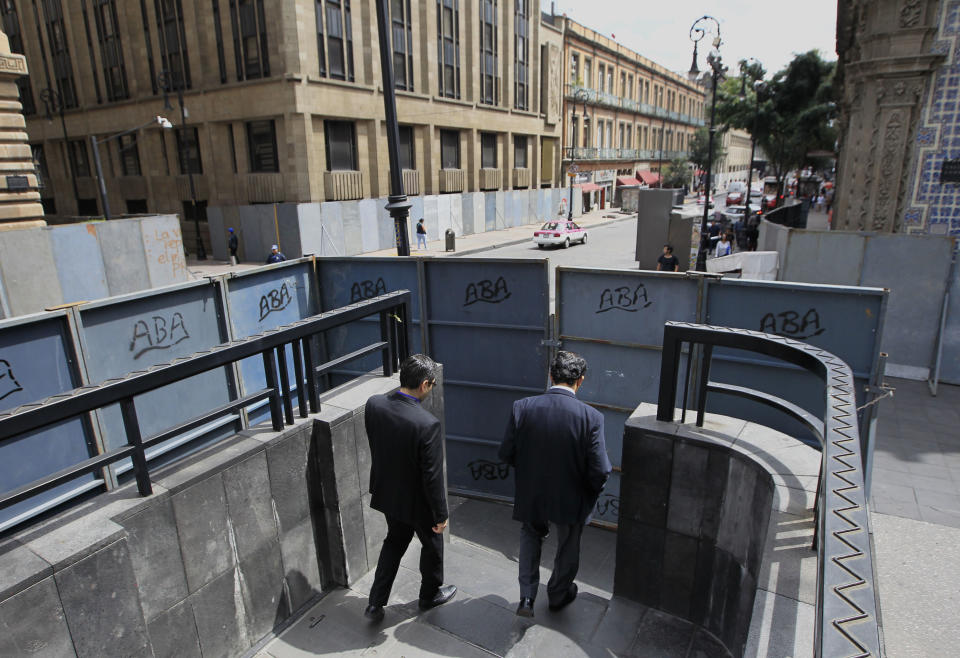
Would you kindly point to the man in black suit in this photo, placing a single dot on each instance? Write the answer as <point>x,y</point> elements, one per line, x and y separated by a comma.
<point>406,484</point>
<point>555,443</point>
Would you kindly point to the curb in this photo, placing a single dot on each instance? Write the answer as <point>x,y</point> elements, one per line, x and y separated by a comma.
<point>510,243</point>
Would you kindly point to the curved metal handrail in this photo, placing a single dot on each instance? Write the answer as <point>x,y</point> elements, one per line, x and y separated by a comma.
<point>847,622</point>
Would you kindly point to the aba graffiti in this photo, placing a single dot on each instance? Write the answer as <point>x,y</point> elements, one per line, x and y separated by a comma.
<point>491,292</point>
<point>8,383</point>
<point>624,298</point>
<point>361,290</point>
<point>790,324</point>
<point>157,333</point>
<point>608,504</point>
<point>482,469</point>
<point>275,300</point>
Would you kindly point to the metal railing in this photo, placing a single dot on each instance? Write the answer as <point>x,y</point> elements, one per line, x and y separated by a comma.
<point>847,622</point>
<point>582,94</point>
<point>393,309</point>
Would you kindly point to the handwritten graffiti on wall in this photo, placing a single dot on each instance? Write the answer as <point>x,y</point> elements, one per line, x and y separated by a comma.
<point>790,324</point>
<point>274,301</point>
<point>361,290</point>
<point>625,298</point>
<point>608,505</point>
<point>491,292</point>
<point>158,333</point>
<point>8,382</point>
<point>171,251</point>
<point>484,469</point>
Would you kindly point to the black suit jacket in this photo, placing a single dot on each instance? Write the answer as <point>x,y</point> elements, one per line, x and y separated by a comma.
<point>555,442</point>
<point>406,476</point>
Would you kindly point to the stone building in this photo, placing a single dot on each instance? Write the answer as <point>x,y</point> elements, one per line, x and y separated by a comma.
<point>899,70</point>
<point>735,163</point>
<point>19,195</point>
<point>624,115</point>
<point>283,99</point>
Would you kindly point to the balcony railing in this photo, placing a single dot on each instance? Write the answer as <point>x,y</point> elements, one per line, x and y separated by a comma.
<point>581,94</point>
<point>590,153</point>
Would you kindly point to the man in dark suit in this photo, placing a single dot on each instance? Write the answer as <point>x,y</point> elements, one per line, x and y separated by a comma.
<point>556,445</point>
<point>406,484</point>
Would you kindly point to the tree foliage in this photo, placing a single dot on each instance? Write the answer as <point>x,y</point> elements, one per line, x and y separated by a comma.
<point>699,147</point>
<point>677,173</point>
<point>789,115</point>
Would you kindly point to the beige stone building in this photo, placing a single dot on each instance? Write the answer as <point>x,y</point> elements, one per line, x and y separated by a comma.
<point>624,115</point>
<point>283,99</point>
<point>735,163</point>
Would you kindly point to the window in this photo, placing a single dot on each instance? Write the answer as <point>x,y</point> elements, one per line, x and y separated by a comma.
<point>79,159</point>
<point>233,148</point>
<point>262,145</point>
<point>93,63</point>
<point>402,41</point>
<point>108,32</point>
<point>11,27</point>
<point>249,39</point>
<point>520,152</point>
<point>489,62</point>
<point>60,52</point>
<point>646,92</point>
<point>87,207</point>
<point>623,84</point>
<point>601,70</point>
<point>574,69</point>
<point>129,155</point>
<point>521,55</point>
<point>488,150</point>
<point>448,47</point>
<point>188,151</point>
<point>587,72</point>
<point>574,131</point>
<point>173,42</point>
<point>586,132</point>
<point>333,19</point>
<point>609,80</point>
<point>39,164</point>
<point>608,143</point>
<point>218,35</point>
<point>341,146</point>
<point>407,160</point>
<point>629,93</point>
<point>622,135</point>
<point>147,40</point>
<point>137,207</point>
<point>450,149</point>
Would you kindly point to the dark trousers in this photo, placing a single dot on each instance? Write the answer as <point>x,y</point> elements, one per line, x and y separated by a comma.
<point>565,564</point>
<point>395,545</point>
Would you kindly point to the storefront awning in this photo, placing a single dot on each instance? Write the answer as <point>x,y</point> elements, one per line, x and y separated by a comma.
<point>648,177</point>
<point>588,187</point>
<point>627,180</point>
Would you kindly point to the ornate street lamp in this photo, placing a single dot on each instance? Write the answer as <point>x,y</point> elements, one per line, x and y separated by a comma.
<point>580,95</point>
<point>758,87</point>
<point>716,71</point>
<point>173,81</point>
<point>54,103</point>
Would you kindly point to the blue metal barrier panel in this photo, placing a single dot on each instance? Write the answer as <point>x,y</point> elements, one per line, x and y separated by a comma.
<point>140,330</point>
<point>263,299</point>
<point>36,362</point>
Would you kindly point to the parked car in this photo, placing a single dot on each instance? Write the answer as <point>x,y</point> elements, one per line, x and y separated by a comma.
<point>702,199</point>
<point>559,233</point>
<point>769,201</point>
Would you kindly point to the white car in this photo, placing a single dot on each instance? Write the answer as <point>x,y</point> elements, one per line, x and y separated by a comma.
<point>559,233</point>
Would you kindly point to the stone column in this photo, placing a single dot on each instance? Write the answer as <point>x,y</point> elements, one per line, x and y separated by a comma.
<point>19,193</point>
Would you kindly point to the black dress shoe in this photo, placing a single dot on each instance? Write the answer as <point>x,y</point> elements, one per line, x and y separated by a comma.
<point>566,600</point>
<point>374,612</point>
<point>444,594</point>
<point>525,609</point>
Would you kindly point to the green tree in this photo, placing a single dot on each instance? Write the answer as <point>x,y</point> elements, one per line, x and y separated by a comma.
<point>790,115</point>
<point>677,173</point>
<point>700,146</point>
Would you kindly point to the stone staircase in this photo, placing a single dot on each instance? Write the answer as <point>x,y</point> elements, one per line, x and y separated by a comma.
<point>481,560</point>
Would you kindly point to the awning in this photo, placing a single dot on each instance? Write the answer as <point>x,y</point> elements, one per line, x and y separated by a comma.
<point>588,187</point>
<point>627,180</point>
<point>648,177</point>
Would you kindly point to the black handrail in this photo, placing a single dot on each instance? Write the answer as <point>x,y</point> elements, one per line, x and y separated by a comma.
<point>847,622</point>
<point>393,309</point>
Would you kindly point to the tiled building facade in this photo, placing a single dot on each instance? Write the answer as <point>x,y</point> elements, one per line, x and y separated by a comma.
<point>623,113</point>
<point>283,99</point>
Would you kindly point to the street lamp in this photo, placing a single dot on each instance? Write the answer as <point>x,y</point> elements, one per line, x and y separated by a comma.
<point>168,82</point>
<point>716,71</point>
<point>758,86</point>
<point>580,95</point>
<point>95,143</point>
<point>54,103</point>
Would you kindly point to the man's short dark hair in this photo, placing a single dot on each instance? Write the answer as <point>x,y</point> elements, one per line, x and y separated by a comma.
<point>567,368</point>
<point>668,248</point>
<point>415,369</point>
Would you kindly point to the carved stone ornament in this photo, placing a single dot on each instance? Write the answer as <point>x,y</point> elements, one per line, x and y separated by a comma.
<point>910,13</point>
<point>889,160</point>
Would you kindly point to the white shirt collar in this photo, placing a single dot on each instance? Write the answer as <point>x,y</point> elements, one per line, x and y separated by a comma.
<point>563,387</point>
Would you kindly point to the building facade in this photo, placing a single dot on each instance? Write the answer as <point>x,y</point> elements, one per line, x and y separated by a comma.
<point>282,100</point>
<point>735,163</point>
<point>624,115</point>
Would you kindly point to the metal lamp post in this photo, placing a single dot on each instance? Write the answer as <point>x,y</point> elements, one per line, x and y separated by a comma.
<point>54,103</point>
<point>95,143</point>
<point>169,82</point>
<point>716,66</point>
<point>580,95</point>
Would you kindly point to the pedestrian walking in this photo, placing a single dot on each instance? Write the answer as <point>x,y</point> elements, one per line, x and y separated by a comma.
<point>724,247</point>
<point>406,484</point>
<point>275,255</point>
<point>233,244</point>
<point>421,235</point>
<point>556,445</point>
<point>667,261</point>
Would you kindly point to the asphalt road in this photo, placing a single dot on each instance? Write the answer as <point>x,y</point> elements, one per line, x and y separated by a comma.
<point>609,246</point>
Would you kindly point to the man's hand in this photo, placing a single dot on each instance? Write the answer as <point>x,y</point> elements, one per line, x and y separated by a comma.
<point>440,527</point>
